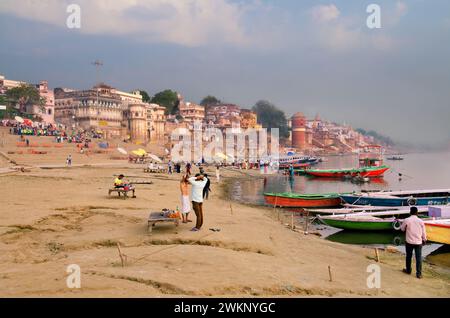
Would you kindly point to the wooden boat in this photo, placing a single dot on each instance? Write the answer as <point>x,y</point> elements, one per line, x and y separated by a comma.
<point>363,238</point>
<point>391,210</point>
<point>399,198</point>
<point>297,161</point>
<point>370,166</point>
<point>438,231</point>
<point>394,158</point>
<point>370,221</point>
<point>359,222</point>
<point>370,172</point>
<point>295,200</point>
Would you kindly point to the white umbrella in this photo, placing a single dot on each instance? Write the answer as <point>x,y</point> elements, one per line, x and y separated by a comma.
<point>156,158</point>
<point>220,155</point>
<point>19,119</point>
<point>122,151</point>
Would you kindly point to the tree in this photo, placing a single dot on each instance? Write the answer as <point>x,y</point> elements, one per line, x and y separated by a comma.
<point>210,100</point>
<point>145,97</point>
<point>168,99</point>
<point>25,95</point>
<point>381,138</point>
<point>269,116</point>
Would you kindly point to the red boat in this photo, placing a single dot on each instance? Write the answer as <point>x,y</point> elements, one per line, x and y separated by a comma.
<point>370,165</point>
<point>293,200</point>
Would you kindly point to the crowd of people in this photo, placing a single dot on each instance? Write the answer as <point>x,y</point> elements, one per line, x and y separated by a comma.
<point>34,129</point>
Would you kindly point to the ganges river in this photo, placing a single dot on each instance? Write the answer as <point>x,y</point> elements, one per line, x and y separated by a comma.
<point>417,171</point>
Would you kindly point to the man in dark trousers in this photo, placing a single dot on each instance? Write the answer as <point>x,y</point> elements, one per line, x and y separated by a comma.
<point>416,236</point>
<point>198,184</point>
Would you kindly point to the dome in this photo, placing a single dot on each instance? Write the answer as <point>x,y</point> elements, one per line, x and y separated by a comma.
<point>298,115</point>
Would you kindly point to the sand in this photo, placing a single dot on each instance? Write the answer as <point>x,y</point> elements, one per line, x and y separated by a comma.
<point>53,216</point>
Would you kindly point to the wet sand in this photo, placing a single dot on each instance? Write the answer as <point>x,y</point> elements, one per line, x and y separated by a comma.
<point>56,216</point>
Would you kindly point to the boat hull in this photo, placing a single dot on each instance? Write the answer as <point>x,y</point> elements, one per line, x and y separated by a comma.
<point>380,201</point>
<point>358,225</point>
<point>291,202</point>
<point>341,173</point>
<point>439,233</point>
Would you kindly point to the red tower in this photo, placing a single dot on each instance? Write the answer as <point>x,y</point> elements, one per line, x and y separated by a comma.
<point>299,131</point>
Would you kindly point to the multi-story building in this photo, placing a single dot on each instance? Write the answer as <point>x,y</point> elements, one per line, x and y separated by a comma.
<point>6,84</point>
<point>46,111</point>
<point>222,115</point>
<point>156,120</point>
<point>191,112</point>
<point>111,111</point>
<point>249,119</point>
<point>134,97</point>
<point>97,108</point>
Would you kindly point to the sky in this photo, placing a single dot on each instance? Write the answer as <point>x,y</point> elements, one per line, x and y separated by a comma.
<point>315,57</point>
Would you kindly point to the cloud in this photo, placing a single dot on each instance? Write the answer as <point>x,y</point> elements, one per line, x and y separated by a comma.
<point>185,22</point>
<point>335,32</point>
<point>325,13</point>
<point>395,14</point>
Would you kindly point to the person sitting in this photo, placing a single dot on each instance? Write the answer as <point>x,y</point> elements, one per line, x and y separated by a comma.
<point>119,182</point>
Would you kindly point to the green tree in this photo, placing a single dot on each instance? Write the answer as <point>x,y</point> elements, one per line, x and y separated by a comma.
<point>168,99</point>
<point>210,100</point>
<point>145,97</point>
<point>25,95</point>
<point>269,116</point>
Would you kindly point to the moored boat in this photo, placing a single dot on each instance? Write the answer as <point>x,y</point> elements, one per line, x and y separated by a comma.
<point>399,198</point>
<point>367,172</point>
<point>370,166</point>
<point>360,222</point>
<point>394,158</point>
<point>438,230</point>
<point>295,200</point>
<point>386,210</point>
<point>364,238</point>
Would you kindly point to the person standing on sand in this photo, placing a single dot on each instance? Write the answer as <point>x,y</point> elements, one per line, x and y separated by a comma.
<point>218,173</point>
<point>198,183</point>
<point>69,160</point>
<point>188,168</point>
<point>416,236</point>
<point>185,204</point>
<point>207,188</point>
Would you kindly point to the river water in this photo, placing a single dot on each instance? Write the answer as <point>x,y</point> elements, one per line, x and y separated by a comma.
<point>416,171</point>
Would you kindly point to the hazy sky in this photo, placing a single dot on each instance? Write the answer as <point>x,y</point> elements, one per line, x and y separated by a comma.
<point>309,56</point>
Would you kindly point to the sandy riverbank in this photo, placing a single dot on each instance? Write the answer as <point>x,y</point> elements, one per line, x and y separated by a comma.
<point>51,218</point>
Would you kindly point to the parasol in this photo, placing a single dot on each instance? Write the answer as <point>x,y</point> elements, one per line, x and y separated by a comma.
<point>154,157</point>
<point>122,151</point>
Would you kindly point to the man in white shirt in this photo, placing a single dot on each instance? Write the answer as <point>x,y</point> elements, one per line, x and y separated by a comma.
<point>198,183</point>
<point>416,236</point>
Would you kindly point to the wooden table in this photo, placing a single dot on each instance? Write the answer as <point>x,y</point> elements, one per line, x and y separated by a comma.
<point>156,217</point>
<point>122,191</point>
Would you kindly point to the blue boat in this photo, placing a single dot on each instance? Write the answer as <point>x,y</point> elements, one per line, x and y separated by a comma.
<point>399,198</point>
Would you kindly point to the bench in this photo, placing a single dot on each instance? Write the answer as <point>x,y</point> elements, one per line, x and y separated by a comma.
<point>156,217</point>
<point>120,191</point>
